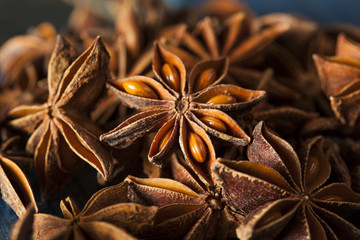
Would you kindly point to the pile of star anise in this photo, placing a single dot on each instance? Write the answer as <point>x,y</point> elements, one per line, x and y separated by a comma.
<point>205,123</point>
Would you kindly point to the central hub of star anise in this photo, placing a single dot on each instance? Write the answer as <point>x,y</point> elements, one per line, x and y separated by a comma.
<point>182,105</point>
<point>305,197</point>
<point>215,200</point>
<point>75,221</point>
<point>50,111</point>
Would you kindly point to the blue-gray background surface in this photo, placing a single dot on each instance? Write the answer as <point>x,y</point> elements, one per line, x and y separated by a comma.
<point>17,15</point>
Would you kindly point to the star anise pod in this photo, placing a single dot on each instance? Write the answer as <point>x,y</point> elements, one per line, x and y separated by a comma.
<point>213,38</point>
<point>22,229</point>
<point>283,198</point>
<point>23,58</point>
<point>182,106</point>
<point>339,77</point>
<point>202,213</point>
<point>107,215</point>
<point>61,134</point>
<point>15,189</point>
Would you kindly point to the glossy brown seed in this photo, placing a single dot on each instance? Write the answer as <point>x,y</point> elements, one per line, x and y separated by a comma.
<point>197,147</point>
<point>222,99</point>
<point>271,217</point>
<point>313,169</point>
<point>164,140</point>
<point>206,78</point>
<point>171,76</point>
<point>215,123</point>
<point>139,89</point>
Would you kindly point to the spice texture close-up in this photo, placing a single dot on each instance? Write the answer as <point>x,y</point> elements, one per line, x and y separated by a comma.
<point>170,119</point>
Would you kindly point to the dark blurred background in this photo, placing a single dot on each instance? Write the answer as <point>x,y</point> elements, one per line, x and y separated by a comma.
<point>17,15</point>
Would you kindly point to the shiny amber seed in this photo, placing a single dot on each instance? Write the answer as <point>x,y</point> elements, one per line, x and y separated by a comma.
<point>313,169</point>
<point>171,76</point>
<point>214,122</point>
<point>47,30</point>
<point>197,147</point>
<point>139,89</point>
<point>222,99</point>
<point>270,217</point>
<point>164,140</point>
<point>205,79</point>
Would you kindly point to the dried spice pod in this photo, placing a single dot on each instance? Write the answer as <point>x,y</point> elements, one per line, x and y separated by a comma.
<point>197,148</point>
<point>145,88</point>
<point>165,139</point>
<point>22,229</point>
<point>174,110</point>
<point>293,200</point>
<point>14,186</point>
<point>207,40</point>
<point>227,98</point>
<point>339,79</point>
<point>188,207</point>
<point>107,214</point>
<point>61,134</point>
<point>19,54</point>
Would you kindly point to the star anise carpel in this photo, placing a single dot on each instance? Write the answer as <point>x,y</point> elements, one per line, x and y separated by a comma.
<point>61,133</point>
<point>184,106</point>
<point>286,198</point>
<point>340,81</point>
